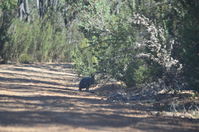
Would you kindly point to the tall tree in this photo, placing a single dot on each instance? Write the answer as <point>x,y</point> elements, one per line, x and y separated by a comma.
<point>24,11</point>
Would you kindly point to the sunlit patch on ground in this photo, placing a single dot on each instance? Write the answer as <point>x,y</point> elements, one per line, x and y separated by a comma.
<point>45,97</point>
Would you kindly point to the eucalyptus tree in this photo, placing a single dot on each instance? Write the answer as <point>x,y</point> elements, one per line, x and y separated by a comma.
<point>24,11</point>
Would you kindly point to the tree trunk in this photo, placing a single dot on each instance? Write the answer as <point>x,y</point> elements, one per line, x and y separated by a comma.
<point>23,10</point>
<point>43,6</point>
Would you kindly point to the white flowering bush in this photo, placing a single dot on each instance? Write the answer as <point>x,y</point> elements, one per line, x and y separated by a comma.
<point>160,46</point>
<point>121,49</point>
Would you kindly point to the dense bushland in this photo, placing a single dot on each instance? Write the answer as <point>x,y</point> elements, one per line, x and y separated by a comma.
<point>133,41</point>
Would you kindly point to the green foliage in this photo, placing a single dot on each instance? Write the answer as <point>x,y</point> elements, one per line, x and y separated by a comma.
<point>25,59</point>
<point>42,42</point>
<point>7,13</point>
<point>108,43</point>
<point>84,59</point>
<point>100,36</point>
<point>188,51</point>
<point>141,74</point>
<point>8,4</point>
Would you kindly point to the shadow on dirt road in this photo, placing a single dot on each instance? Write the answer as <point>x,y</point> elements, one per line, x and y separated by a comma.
<point>42,97</point>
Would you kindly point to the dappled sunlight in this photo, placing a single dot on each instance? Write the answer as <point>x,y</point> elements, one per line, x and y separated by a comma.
<point>37,99</point>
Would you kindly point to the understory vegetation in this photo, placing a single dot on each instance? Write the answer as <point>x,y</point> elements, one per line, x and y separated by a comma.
<point>137,42</point>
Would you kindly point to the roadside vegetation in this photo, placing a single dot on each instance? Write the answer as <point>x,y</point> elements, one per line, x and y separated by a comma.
<point>150,45</point>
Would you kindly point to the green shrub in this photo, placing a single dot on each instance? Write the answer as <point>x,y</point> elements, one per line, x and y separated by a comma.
<point>84,58</point>
<point>40,40</point>
<point>25,59</point>
<point>141,74</point>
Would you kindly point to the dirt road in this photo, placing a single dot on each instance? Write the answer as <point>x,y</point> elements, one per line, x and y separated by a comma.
<point>45,97</point>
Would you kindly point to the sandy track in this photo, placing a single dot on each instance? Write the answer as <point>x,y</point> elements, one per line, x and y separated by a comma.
<point>45,97</point>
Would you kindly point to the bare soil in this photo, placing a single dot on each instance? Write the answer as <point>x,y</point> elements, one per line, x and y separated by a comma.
<point>45,97</point>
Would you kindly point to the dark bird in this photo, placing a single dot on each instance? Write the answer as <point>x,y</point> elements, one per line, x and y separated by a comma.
<point>86,82</point>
